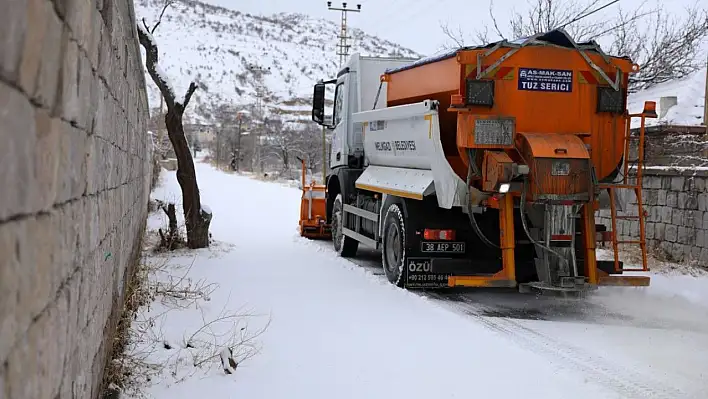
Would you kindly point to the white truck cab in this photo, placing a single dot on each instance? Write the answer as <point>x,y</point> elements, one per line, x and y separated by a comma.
<point>357,87</point>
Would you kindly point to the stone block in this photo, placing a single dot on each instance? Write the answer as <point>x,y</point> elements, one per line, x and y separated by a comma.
<point>93,222</point>
<point>705,219</point>
<point>689,184</point>
<point>650,197</point>
<point>677,217</point>
<point>666,182</point>
<point>17,129</point>
<point>4,385</point>
<point>75,236</point>
<point>692,200</point>
<point>698,219</point>
<point>702,202</point>
<point>67,104</point>
<point>685,235</point>
<point>72,163</point>
<point>672,199</point>
<point>86,83</point>
<point>45,92</point>
<point>87,289</point>
<point>689,217</point>
<point>682,202</point>
<point>649,230</point>
<point>677,183</point>
<point>700,238</point>
<point>665,248</point>
<point>704,255</point>
<point>13,321</point>
<point>71,294</point>
<point>78,18</point>
<point>666,213</point>
<point>49,257</point>
<point>13,30</point>
<point>37,16</point>
<point>695,253</point>
<point>661,197</point>
<point>652,182</point>
<point>94,39</point>
<point>93,163</point>
<point>105,57</point>
<point>671,233</point>
<point>700,184</point>
<point>35,361</point>
<point>677,251</point>
<point>46,158</point>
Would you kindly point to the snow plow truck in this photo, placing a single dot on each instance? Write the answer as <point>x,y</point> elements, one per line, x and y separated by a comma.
<point>483,166</point>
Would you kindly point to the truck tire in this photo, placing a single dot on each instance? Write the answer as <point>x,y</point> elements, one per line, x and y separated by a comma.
<point>393,251</point>
<point>345,246</point>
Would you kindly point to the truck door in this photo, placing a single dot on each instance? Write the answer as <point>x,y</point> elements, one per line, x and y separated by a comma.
<point>340,117</point>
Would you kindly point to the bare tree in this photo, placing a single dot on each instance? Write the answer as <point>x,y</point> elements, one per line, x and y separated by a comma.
<point>197,219</point>
<point>670,49</point>
<point>309,148</point>
<point>481,36</point>
<point>546,15</point>
<point>665,47</point>
<point>281,141</point>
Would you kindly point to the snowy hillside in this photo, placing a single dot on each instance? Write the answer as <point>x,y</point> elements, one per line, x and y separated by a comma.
<point>226,50</point>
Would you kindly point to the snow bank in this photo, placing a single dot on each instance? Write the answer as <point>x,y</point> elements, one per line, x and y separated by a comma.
<point>690,93</point>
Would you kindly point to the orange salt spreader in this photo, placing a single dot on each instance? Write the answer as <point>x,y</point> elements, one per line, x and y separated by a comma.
<point>313,209</point>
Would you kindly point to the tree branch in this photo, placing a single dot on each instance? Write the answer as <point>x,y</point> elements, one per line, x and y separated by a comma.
<point>152,63</point>
<point>494,21</point>
<point>159,19</point>
<point>188,96</point>
<point>457,38</point>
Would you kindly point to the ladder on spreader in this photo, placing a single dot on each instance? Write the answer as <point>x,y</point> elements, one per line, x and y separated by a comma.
<point>648,112</point>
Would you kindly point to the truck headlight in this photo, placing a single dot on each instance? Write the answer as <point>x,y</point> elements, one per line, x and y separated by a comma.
<point>504,188</point>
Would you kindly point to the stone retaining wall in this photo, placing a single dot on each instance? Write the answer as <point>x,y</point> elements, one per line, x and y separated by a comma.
<point>74,183</point>
<point>676,205</point>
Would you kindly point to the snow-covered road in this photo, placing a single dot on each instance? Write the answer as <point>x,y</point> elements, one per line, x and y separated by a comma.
<point>340,330</point>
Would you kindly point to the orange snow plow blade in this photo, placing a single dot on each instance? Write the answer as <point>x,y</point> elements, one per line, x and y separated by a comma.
<point>313,210</point>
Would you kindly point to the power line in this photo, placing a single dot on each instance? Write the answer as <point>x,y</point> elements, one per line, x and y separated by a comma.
<point>579,17</point>
<point>343,46</point>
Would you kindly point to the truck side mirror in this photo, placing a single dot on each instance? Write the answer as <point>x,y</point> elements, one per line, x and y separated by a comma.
<point>318,104</point>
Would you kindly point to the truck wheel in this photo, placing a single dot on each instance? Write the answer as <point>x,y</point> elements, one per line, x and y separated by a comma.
<point>345,246</point>
<point>393,252</point>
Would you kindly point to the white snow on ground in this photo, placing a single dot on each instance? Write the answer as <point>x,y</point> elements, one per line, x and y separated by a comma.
<point>672,280</point>
<point>335,329</point>
<point>690,94</point>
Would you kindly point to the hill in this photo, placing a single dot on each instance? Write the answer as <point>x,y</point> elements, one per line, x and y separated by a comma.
<point>236,56</point>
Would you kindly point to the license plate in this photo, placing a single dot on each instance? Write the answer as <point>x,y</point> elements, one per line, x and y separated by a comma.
<point>442,247</point>
<point>419,274</point>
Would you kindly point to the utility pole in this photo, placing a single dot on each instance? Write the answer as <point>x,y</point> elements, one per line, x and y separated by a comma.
<point>343,53</point>
<point>343,47</point>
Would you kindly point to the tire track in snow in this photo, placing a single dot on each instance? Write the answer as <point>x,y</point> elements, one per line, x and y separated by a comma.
<point>620,379</point>
<point>623,380</point>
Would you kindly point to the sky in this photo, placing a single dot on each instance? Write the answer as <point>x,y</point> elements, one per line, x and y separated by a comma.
<point>416,24</point>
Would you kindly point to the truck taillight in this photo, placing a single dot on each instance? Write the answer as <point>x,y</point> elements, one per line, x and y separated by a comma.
<point>434,234</point>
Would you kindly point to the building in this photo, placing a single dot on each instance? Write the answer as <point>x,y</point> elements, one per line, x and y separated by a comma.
<point>679,136</point>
